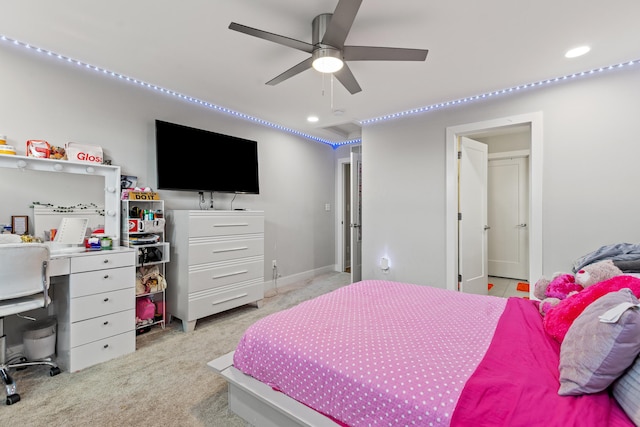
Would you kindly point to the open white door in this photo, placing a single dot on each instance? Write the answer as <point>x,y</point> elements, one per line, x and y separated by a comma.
<point>356,215</point>
<point>534,121</point>
<point>473,229</point>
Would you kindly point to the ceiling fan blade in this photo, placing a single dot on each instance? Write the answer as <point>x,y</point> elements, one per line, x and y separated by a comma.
<point>346,77</point>
<point>276,38</point>
<point>296,69</point>
<point>341,22</point>
<point>372,53</point>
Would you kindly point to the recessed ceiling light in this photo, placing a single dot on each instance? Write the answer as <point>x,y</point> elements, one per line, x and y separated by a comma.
<point>312,119</point>
<point>578,51</point>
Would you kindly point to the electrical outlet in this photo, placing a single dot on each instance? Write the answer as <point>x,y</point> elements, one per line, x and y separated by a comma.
<point>273,264</point>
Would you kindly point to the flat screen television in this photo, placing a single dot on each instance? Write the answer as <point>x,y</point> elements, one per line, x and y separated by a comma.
<point>191,159</point>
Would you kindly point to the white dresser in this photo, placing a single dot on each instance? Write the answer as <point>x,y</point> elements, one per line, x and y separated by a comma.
<point>217,262</point>
<point>94,299</point>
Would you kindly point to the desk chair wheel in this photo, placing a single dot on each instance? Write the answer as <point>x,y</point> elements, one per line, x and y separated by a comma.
<point>10,387</point>
<point>14,398</point>
<point>54,371</point>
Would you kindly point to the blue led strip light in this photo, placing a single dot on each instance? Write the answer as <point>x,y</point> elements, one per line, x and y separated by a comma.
<point>305,135</point>
<point>165,91</point>
<point>496,93</point>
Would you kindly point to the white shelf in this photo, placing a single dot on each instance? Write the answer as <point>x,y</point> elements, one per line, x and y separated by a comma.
<point>152,227</point>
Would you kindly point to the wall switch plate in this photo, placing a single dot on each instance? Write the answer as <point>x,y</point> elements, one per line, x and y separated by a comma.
<point>327,207</point>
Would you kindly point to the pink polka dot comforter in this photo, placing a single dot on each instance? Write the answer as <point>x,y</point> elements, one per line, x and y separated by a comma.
<point>380,353</point>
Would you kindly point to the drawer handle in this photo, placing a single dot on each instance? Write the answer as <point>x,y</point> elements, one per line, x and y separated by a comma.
<point>238,224</point>
<point>229,299</point>
<point>235,273</point>
<point>106,299</point>
<point>106,276</point>
<point>106,261</point>
<point>240,248</point>
<point>105,346</point>
<point>106,323</point>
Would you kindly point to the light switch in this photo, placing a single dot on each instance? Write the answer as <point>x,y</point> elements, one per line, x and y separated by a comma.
<point>327,207</point>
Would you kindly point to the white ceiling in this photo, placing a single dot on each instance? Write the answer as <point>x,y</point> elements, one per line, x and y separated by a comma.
<point>475,47</point>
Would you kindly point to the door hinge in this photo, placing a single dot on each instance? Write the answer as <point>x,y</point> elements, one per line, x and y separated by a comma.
<point>459,216</point>
<point>459,278</point>
<point>459,155</point>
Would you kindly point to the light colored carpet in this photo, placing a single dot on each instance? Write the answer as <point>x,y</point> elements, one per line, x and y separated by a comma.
<point>165,382</point>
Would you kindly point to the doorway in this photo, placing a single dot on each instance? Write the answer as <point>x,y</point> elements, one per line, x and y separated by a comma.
<point>508,210</point>
<point>453,259</point>
<point>345,229</point>
<point>349,215</point>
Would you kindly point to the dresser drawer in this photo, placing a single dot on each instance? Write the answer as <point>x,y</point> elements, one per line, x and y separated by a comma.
<point>93,282</point>
<point>102,350</point>
<point>102,260</point>
<point>96,305</point>
<point>208,226</point>
<point>209,277</point>
<point>102,327</point>
<point>223,250</point>
<point>225,298</point>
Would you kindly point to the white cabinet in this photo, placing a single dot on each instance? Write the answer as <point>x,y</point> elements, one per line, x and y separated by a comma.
<point>95,305</point>
<point>217,262</point>
<point>143,228</point>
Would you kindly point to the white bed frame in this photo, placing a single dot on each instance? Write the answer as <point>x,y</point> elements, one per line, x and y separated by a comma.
<point>262,406</point>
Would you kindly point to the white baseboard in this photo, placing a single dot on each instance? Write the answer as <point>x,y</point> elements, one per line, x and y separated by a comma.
<point>294,278</point>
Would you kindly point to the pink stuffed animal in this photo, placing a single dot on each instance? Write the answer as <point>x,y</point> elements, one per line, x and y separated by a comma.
<point>563,285</point>
<point>551,292</point>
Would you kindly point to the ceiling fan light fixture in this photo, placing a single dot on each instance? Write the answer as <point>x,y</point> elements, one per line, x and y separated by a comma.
<point>327,60</point>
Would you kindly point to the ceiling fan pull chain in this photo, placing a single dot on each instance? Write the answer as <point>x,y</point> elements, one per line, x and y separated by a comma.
<point>323,84</point>
<point>331,91</point>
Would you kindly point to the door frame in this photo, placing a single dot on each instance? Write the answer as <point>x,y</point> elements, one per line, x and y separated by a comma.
<point>341,214</point>
<point>355,223</point>
<point>534,120</point>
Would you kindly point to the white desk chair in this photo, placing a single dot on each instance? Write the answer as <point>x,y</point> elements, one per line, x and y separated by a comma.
<point>24,285</point>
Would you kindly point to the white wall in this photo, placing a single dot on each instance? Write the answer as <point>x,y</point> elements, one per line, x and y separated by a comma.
<point>44,98</point>
<point>591,152</point>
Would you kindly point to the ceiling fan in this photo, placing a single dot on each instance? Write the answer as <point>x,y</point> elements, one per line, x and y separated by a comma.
<point>328,51</point>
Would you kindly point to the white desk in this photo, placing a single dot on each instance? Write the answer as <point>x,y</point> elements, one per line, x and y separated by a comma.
<point>93,295</point>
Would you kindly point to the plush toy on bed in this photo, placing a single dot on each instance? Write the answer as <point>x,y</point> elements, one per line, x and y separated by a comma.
<point>597,272</point>
<point>551,292</point>
<point>563,285</point>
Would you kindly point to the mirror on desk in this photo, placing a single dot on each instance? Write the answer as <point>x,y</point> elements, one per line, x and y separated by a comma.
<point>91,191</point>
<point>20,189</point>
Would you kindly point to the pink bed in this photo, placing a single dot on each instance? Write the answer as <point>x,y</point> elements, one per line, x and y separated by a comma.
<point>380,353</point>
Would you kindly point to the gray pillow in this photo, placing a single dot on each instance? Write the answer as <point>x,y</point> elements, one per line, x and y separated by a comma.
<point>594,354</point>
<point>626,391</point>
